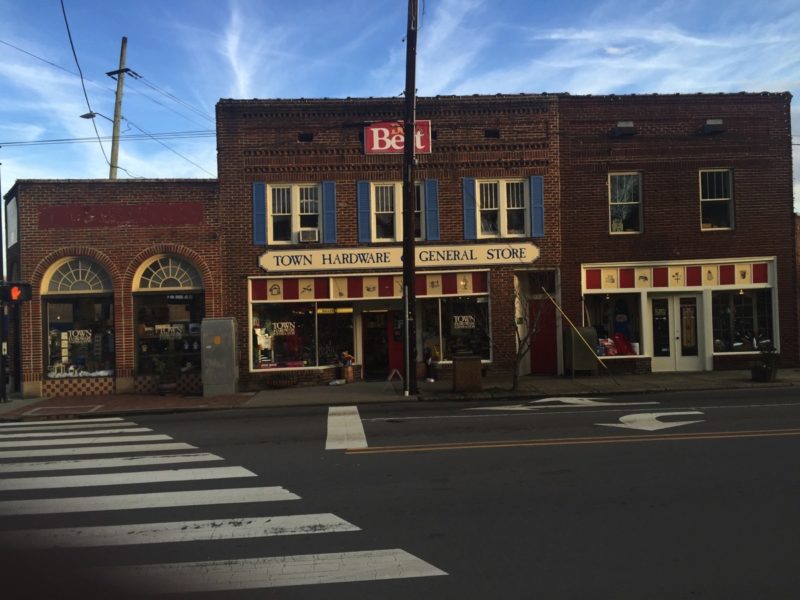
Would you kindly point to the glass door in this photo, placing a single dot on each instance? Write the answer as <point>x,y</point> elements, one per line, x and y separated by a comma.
<point>676,333</point>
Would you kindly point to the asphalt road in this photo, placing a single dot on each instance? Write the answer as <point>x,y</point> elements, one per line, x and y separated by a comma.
<point>680,495</point>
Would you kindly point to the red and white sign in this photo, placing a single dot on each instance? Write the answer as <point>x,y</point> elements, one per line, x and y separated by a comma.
<point>389,138</point>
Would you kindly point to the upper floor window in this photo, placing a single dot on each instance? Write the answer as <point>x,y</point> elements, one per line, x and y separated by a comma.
<point>716,199</point>
<point>625,199</point>
<point>503,208</point>
<point>294,213</point>
<point>384,203</point>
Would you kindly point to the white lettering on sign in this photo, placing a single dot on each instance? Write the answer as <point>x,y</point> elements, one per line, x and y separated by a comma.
<point>169,332</point>
<point>80,336</point>
<point>463,321</point>
<point>283,328</point>
<point>389,137</point>
<point>510,253</point>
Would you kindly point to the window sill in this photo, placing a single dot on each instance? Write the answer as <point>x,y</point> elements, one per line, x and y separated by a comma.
<point>632,232</point>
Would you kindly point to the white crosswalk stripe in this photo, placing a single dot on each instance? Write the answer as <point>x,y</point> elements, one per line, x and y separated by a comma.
<point>179,531</point>
<point>219,497</point>
<point>272,571</point>
<point>48,448</point>
<point>107,463</point>
<point>87,440</point>
<point>120,449</point>
<point>23,424</point>
<point>65,434</point>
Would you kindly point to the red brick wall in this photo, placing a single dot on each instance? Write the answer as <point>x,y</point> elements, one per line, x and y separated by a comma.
<point>258,141</point>
<point>119,244</point>
<point>669,150</point>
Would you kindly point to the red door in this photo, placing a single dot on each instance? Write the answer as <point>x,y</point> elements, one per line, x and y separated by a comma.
<point>544,358</point>
<point>395,334</point>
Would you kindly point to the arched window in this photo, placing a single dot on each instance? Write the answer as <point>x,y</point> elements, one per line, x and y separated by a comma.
<point>79,310</point>
<point>169,306</point>
<point>169,272</point>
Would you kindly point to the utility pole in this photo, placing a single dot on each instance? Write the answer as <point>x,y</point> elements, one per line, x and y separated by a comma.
<point>409,194</point>
<point>120,77</point>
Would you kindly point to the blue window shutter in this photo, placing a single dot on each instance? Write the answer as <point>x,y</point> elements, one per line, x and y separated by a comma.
<point>432,209</point>
<point>364,212</point>
<point>260,213</point>
<point>329,212</point>
<point>470,210</point>
<point>537,206</point>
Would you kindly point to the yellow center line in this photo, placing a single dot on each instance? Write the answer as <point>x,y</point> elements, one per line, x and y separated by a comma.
<point>609,439</point>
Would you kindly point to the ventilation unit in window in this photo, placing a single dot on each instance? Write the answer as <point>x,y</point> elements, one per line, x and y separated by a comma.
<point>309,235</point>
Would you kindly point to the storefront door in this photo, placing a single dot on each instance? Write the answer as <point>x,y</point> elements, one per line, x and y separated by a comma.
<point>544,351</point>
<point>383,343</point>
<point>676,333</point>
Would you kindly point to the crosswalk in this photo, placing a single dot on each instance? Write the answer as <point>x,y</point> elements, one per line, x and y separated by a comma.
<point>103,467</point>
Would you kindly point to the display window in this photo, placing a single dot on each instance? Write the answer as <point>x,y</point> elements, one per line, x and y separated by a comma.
<point>465,327</point>
<point>617,320</point>
<point>742,320</point>
<point>79,320</point>
<point>169,306</point>
<point>301,334</point>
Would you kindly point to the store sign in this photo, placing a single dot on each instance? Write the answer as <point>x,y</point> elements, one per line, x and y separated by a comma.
<point>389,137</point>
<point>80,336</point>
<point>283,328</point>
<point>169,332</point>
<point>277,261</point>
<point>463,321</point>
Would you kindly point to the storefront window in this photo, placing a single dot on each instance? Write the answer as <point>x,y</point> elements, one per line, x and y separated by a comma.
<point>742,320</point>
<point>465,327</point>
<point>79,312</point>
<point>335,332</point>
<point>80,337</point>
<point>430,334</point>
<point>169,309</point>
<point>168,333</point>
<point>617,320</point>
<point>284,335</point>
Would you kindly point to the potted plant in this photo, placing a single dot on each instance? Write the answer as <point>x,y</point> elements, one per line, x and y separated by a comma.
<point>766,367</point>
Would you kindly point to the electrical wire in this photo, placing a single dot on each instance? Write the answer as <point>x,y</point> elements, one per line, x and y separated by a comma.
<point>83,85</point>
<point>174,98</point>
<point>128,138</point>
<point>168,148</point>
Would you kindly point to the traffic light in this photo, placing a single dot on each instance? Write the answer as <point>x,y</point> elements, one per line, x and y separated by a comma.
<point>14,292</point>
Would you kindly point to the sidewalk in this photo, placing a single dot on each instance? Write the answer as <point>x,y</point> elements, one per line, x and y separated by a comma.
<point>494,388</point>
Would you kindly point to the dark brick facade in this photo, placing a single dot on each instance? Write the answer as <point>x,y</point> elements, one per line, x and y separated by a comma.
<point>567,140</point>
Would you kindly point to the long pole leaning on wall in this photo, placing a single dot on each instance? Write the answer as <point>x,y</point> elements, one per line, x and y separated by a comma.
<point>583,339</point>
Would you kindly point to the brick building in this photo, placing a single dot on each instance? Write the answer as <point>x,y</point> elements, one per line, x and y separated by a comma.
<point>662,224</point>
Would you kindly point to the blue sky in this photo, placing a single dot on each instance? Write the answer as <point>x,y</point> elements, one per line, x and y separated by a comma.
<point>190,53</point>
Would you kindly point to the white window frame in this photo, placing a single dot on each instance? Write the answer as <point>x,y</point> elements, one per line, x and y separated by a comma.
<point>503,208</point>
<point>398,210</point>
<point>295,207</point>
<point>611,203</point>
<point>718,200</point>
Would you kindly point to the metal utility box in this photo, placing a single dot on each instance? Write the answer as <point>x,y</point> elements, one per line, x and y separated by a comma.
<point>467,374</point>
<point>578,356</point>
<point>218,356</point>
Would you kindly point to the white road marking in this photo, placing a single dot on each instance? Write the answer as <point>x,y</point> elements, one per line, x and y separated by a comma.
<point>87,440</point>
<point>144,501</point>
<point>179,531</point>
<point>107,463</point>
<point>59,422</point>
<point>345,429</point>
<point>43,426</point>
<point>121,449</point>
<point>67,481</point>
<point>650,422</point>
<point>268,572</point>
<point>49,434</point>
<point>557,403</point>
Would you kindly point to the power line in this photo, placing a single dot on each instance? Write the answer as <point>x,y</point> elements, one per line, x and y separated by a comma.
<point>168,148</point>
<point>174,98</point>
<point>132,137</point>
<point>83,85</point>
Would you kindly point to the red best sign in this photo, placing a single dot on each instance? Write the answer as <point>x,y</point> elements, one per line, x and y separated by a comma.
<point>389,138</point>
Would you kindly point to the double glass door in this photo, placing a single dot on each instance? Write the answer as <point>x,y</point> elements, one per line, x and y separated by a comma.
<point>676,333</point>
